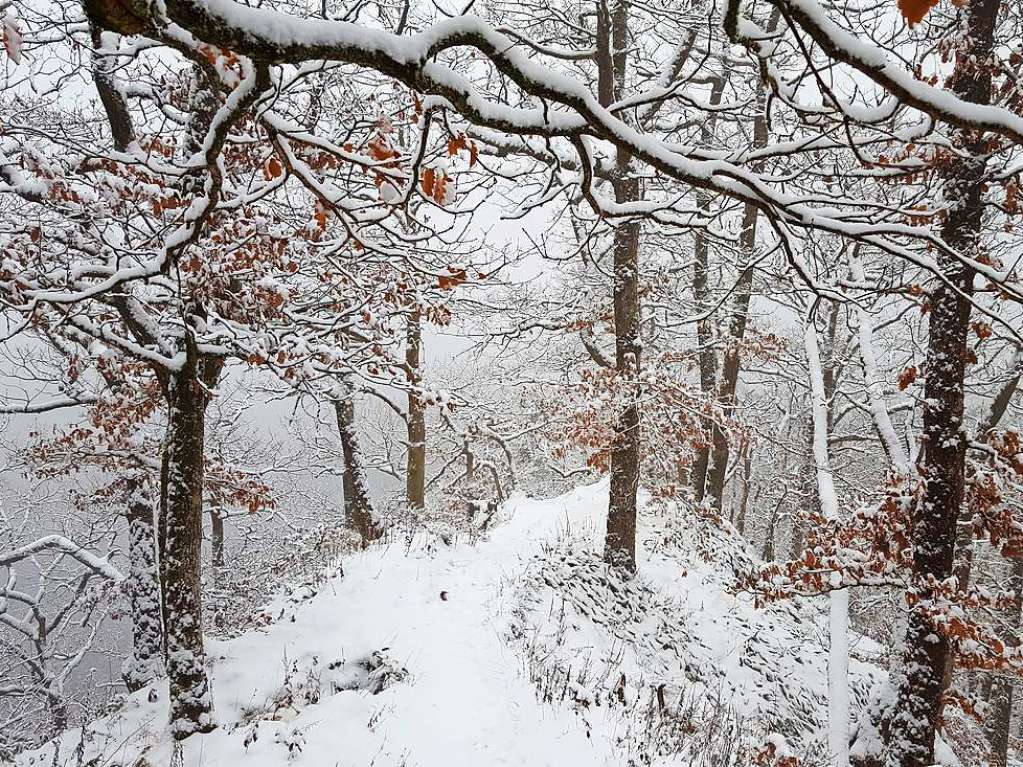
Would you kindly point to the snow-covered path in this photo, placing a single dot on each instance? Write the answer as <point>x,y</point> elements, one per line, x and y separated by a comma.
<point>428,629</point>
<point>442,616</point>
<point>466,699</point>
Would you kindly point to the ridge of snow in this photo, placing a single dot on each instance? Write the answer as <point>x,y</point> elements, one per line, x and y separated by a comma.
<point>416,657</point>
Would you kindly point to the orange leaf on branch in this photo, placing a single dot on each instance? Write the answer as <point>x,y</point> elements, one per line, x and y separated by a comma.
<point>906,377</point>
<point>272,169</point>
<point>320,217</point>
<point>456,144</point>
<point>913,11</point>
<point>429,181</point>
<point>458,276</point>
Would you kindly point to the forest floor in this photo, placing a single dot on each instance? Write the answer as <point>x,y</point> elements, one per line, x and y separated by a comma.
<point>519,648</point>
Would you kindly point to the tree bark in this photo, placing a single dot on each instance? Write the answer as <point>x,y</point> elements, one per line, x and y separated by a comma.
<point>217,537</point>
<point>620,538</point>
<point>359,514</point>
<point>707,357</point>
<point>767,554</point>
<point>821,378</point>
<point>191,704</point>
<point>146,660</point>
<point>122,129</point>
<point>921,685</point>
<point>807,493</point>
<point>415,474</point>
<point>747,481</point>
<point>721,450</point>
<point>1003,687</point>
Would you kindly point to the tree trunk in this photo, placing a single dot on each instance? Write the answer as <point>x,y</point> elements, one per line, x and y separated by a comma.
<point>767,554</point>
<point>704,328</point>
<point>415,474</point>
<point>807,499</point>
<point>191,705</point>
<point>920,688</point>
<point>1003,687</point>
<point>822,379</point>
<point>620,538</point>
<point>146,660</point>
<point>747,480</point>
<point>707,358</point>
<point>721,450</point>
<point>217,537</point>
<point>358,506</point>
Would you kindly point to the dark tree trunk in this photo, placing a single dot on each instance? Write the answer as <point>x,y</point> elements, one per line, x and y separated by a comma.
<point>191,704</point>
<point>415,474</point>
<point>358,506</point>
<point>217,537</point>
<point>181,482</point>
<point>707,358</point>
<point>121,128</point>
<point>808,499</point>
<point>747,481</point>
<point>921,685</point>
<point>620,539</point>
<point>1003,691</point>
<point>772,530</point>
<point>721,450</point>
<point>146,661</point>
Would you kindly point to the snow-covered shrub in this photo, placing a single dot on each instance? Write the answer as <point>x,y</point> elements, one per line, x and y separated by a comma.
<point>286,564</point>
<point>621,654</point>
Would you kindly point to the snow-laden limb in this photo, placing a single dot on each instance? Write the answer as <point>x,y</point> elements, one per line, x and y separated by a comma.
<point>99,565</point>
<point>843,46</point>
<point>838,656</point>
<point>47,406</point>
<point>572,112</point>
<point>874,381</point>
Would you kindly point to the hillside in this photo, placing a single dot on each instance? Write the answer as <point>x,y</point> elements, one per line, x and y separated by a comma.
<point>518,649</point>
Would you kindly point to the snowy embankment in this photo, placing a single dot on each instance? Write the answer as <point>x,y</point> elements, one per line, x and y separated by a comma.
<point>521,650</point>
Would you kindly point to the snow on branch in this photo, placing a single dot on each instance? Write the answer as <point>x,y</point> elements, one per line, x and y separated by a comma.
<point>97,564</point>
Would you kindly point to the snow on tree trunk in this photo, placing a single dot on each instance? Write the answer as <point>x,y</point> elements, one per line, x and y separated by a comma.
<point>838,624</point>
<point>875,383</point>
<point>747,482</point>
<point>146,660</point>
<point>191,704</point>
<point>415,474</point>
<point>1003,687</point>
<point>620,538</point>
<point>921,683</point>
<point>998,721</point>
<point>359,514</point>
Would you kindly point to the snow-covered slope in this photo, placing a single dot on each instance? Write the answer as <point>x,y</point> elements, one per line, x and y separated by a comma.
<point>521,649</point>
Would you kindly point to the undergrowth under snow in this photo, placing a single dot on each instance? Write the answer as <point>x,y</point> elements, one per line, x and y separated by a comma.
<point>519,649</point>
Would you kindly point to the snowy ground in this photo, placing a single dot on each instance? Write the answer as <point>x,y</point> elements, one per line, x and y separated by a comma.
<point>521,650</point>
